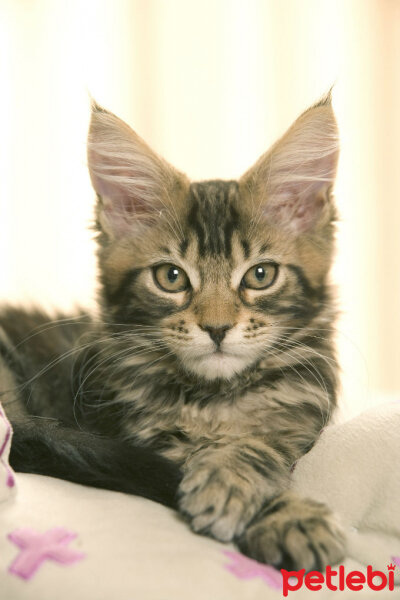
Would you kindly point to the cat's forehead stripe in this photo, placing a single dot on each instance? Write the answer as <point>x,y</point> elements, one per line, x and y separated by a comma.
<point>183,247</point>
<point>246,248</point>
<point>213,217</point>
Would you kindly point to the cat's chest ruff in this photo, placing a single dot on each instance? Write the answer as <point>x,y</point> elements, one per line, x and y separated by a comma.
<point>194,416</point>
<point>224,418</point>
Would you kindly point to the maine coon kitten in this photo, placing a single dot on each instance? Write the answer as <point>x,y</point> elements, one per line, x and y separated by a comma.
<point>214,347</point>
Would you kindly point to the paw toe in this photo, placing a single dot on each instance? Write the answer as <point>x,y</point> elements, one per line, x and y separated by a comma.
<point>300,535</point>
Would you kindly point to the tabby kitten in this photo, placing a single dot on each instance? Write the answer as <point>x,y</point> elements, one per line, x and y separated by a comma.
<point>214,348</point>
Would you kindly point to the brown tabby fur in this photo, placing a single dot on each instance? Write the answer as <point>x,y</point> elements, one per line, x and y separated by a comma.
<point>233,384</point>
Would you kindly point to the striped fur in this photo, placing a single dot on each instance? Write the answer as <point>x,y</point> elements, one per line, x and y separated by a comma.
<point>230,383</point>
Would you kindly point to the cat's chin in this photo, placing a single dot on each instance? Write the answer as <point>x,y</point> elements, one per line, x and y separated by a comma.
<point>218,365</point>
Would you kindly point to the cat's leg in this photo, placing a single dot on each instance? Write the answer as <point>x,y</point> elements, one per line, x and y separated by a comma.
<point>237,491</point>
<point>294,533</point>
<point>225,484</point>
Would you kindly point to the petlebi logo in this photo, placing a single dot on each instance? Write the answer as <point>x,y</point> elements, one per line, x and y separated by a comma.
<point>338,579</point>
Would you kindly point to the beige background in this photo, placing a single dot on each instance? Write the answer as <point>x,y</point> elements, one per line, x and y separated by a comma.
<point>209,84</point>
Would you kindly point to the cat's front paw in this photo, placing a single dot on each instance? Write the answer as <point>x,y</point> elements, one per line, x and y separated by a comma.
<point>294,533</point>
<point>217,501</point>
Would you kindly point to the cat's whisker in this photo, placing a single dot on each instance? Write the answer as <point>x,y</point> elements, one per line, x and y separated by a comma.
<point>325,414</point>
<point>303,361</point>
<point>51,325</point>
<point>48,366</point>
<point>167,355</point>
<point>114,358</point>
<point>76,349</point>
<point>79,320</point>
<point>285,344</point>
<point>117,368</point>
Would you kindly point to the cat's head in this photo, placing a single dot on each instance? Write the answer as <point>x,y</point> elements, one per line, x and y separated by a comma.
<point>220,274</point>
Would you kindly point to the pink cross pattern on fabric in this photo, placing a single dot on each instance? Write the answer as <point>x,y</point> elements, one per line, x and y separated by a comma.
<point>396,560</point>
<point>38,547</point>
<point>247,568</point>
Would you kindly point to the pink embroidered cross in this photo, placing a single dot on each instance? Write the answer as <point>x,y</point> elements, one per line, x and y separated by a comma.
<point>38,547</point>
<point>396,560</point>
<point>247,568</point>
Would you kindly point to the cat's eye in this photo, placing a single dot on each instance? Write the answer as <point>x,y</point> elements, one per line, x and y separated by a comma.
<point>260,276</point>
<point>171,278</point>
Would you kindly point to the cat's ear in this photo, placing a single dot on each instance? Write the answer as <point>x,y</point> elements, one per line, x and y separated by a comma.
<point>133,184</point>
<point>291,183</point>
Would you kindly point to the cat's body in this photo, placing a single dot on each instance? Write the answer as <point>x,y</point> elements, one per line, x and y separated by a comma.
<point>214,346</point>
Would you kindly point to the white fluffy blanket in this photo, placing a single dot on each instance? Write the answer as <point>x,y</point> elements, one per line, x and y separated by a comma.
<point>355,469</point>
<point>63,540</point>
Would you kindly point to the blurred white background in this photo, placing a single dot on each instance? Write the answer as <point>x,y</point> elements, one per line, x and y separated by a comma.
<point>210,85</point>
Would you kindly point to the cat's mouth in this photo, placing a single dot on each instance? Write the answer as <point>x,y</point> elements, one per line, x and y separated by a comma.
<point>218,364</point>
<point>220,353</point>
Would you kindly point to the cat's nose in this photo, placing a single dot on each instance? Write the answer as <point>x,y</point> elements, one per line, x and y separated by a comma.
<point>217,334</point>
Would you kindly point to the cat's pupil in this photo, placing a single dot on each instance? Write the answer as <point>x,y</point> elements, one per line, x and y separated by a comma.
<point>260,273</point>
<point>173,274</point>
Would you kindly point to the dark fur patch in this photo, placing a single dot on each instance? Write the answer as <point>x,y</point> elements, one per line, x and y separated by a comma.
<point>213,216</point>
<point>82,457</point>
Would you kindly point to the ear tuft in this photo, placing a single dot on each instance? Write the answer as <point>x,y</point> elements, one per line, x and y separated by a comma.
<point>95,107</point>
<point>325,100</point>
<point>131,181</point>
<point>294,179</point>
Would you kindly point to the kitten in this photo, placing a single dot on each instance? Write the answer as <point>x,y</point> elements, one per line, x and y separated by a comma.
<point>212,369</point>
